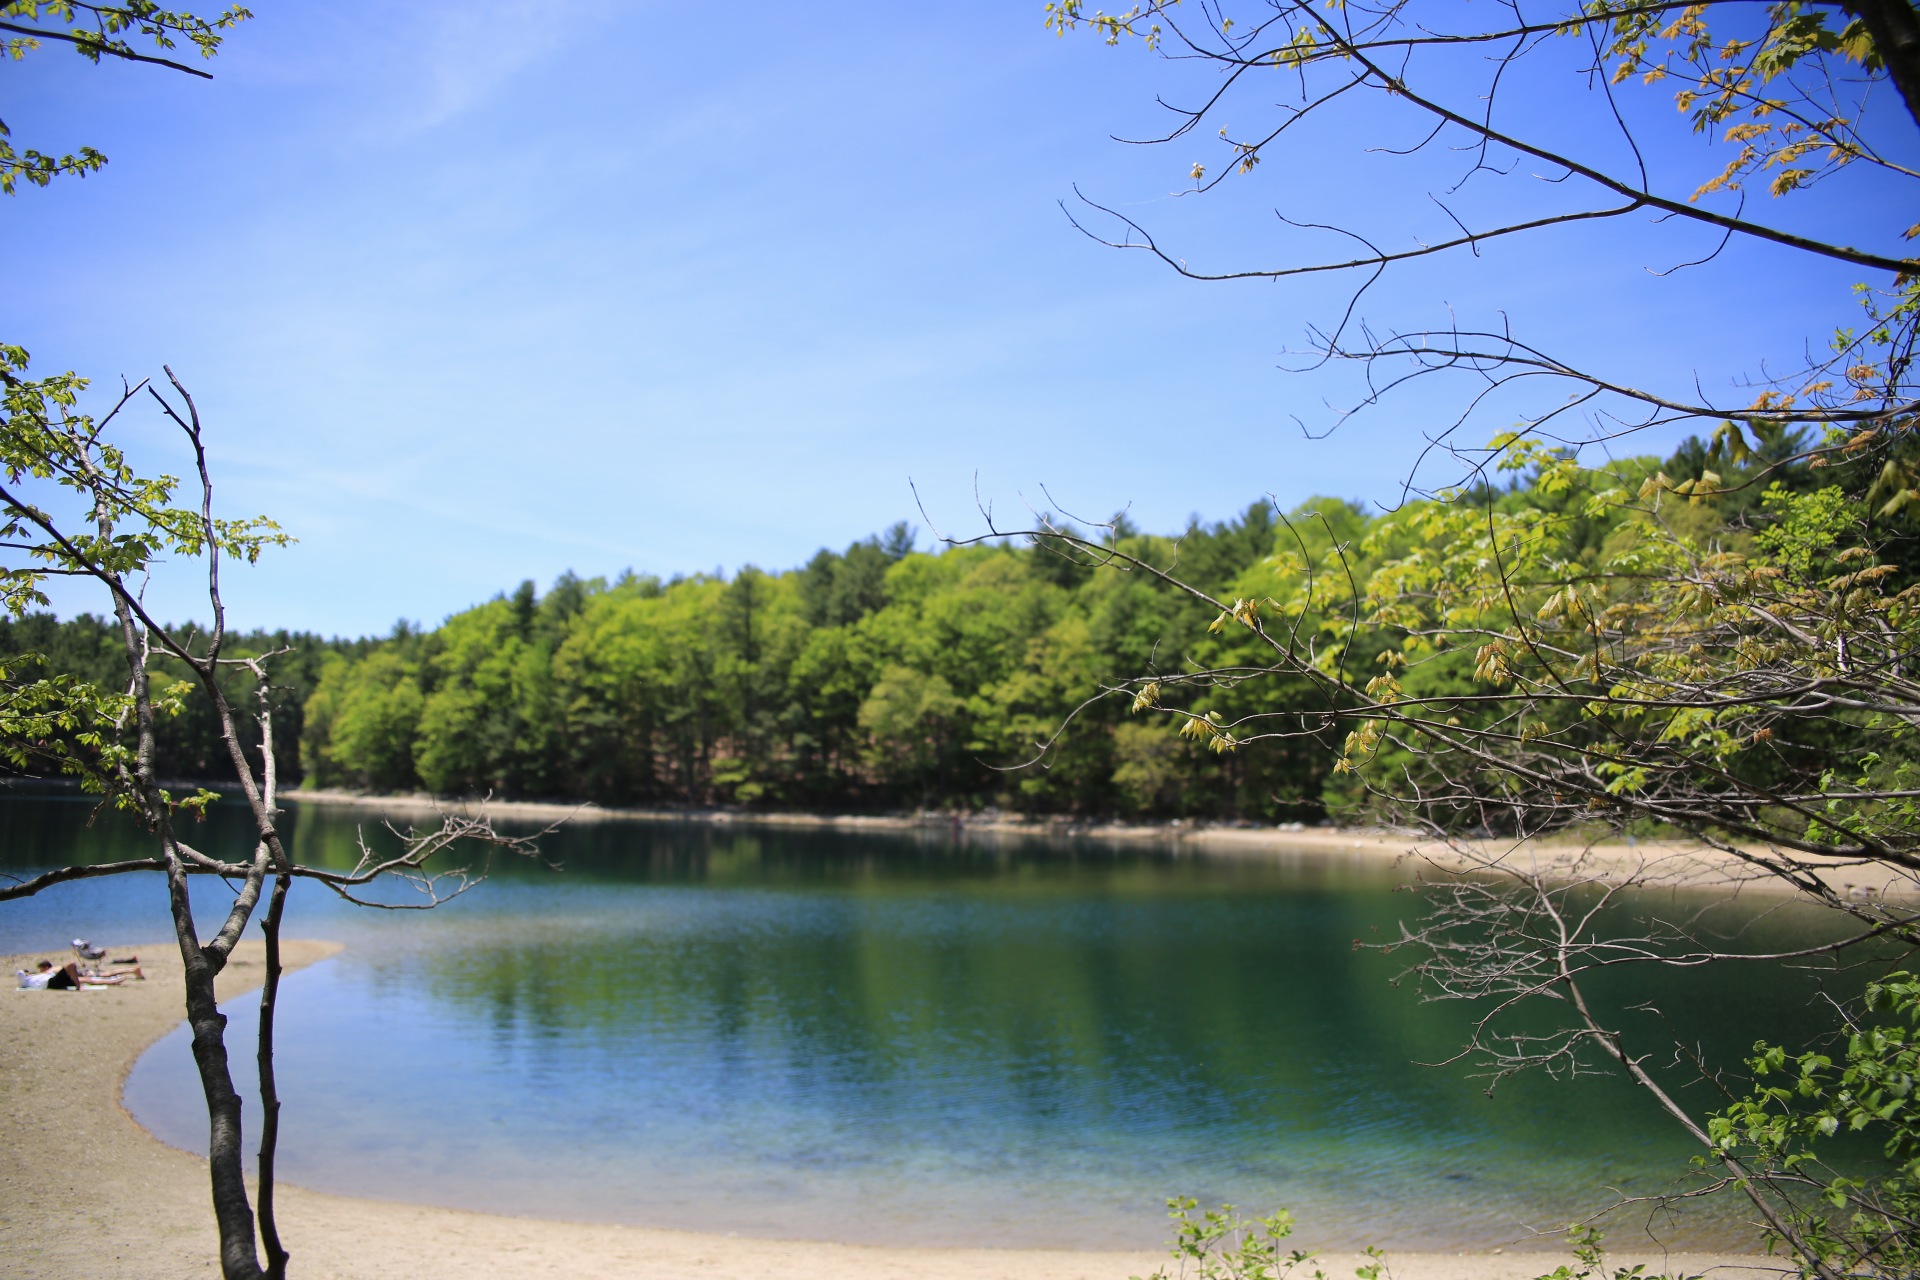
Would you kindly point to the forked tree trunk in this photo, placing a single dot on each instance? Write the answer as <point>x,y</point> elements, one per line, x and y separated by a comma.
<point>231,1209</point>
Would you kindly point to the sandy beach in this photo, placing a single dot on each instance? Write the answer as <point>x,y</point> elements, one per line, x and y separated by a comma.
<point>86,1192</point>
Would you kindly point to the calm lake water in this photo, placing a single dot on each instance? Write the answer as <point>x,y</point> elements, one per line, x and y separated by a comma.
<point>892,1039</point>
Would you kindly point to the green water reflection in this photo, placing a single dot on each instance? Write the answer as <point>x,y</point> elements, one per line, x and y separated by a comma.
<point>895,1039</point>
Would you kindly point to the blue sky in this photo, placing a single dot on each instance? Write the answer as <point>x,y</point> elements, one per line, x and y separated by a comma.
<point>476,292</point>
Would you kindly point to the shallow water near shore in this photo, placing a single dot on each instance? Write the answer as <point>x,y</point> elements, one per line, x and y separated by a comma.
<point>903,1040</point>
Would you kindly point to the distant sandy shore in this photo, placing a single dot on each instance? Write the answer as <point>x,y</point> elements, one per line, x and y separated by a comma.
<point>85,1192</point>
<point>1667,864</point>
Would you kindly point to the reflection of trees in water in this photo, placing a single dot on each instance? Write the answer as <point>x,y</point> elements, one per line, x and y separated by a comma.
<point>1055,991</point>
<point>1142,996</point>
<point>49,827</point>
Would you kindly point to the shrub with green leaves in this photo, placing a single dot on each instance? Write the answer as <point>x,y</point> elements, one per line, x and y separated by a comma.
<point>1852,1222</point>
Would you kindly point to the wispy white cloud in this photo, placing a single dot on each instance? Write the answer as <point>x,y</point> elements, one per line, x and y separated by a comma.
<point>419,66</point>
<point>470,51</point>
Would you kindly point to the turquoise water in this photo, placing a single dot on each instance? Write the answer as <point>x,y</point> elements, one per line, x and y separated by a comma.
<point>890,1039</point>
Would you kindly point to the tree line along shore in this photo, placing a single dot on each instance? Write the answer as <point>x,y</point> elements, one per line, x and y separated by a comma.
<point>880,678</point>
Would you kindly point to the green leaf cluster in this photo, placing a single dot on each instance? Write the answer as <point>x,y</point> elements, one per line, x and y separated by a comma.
<point>1856,1221</point>
<point>95,31</point>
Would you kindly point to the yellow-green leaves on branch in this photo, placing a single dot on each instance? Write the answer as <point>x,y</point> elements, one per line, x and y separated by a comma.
<point>96,31</point>
<point>1210,729</point>
<point>1245,612</point>
<point>1148,696</point>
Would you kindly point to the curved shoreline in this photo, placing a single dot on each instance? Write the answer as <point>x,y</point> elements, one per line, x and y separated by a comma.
<point>86,1191</point>
<point>1659,864</point>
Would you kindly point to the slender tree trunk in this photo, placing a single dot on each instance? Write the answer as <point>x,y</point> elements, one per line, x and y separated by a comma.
<point>266,811</point>
<point>231,1210</point>
<point>269,1092</point>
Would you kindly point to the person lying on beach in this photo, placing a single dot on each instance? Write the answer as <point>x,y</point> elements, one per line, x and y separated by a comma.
<point>69,978</point>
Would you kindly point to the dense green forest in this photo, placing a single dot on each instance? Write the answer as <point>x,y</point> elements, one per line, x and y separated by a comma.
<point>89,649</point>
<point>877,678</point>
<point>874,678</point>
